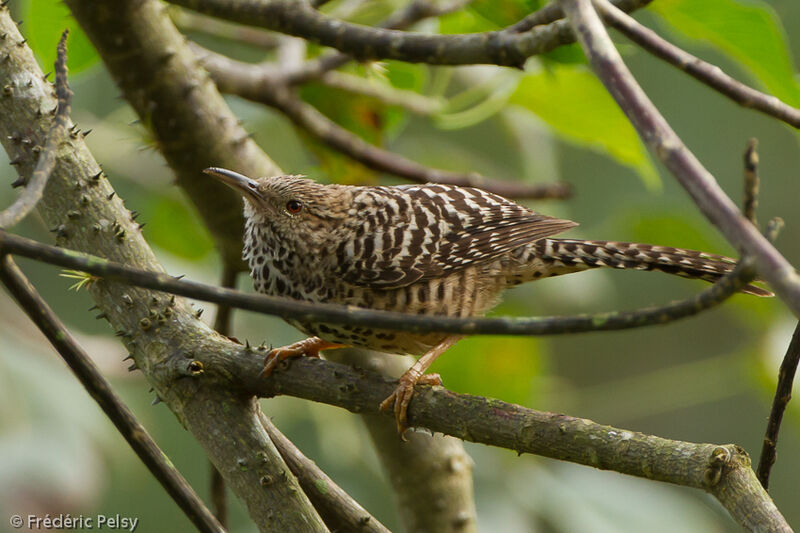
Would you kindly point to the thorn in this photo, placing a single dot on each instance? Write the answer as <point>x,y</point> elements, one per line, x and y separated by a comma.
<point>156,401</point>
<point>101,316</point>
<point>22,42</point>
<point>133,367</point>
<point>134,214</point>
<point>96,177</point>
<point>151,389</point>
<point>14,137</point>
<point>16,161</point>
<point>129,358</point>
<point>110,196</point>
<point>198,313</point>
<point>247,345</point>
<point>143,224</point>
<point>172,301</point>
<point>86,132</point>
<point>120,333</point>
<point>19,182</point>
<point>44,78</point>
<point>179,277</point>
<point>92,308</point>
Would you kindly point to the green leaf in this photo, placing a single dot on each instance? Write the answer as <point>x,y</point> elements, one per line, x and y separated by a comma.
<point>45,21</point>
<point>748,32</point>
<point>576,105</point>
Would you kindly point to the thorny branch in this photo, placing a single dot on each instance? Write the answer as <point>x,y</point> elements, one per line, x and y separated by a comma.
<point>100,390</point>
<point>700,70</point>
<point>47,157</point>
<point>725,287</point>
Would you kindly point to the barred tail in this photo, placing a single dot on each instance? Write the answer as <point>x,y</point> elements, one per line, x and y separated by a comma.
<point>551,257</point>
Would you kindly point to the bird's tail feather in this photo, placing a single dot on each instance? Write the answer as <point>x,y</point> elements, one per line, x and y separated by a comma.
<point>562,256</point>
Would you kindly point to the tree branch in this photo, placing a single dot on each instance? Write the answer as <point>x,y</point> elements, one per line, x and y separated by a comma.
<point>553,12</point>
<point>162,333</point>
<point>286,308</point>
<point>783,393</point>
<point>667,146</point>
<point>724,471</point>
<point>248,82</point>
<point>337,508</point>
<point>194,128</point>
<point>363,43</point>
<point>222,325</point>
<point>430,474</point>
<point>47,156</point>
<point>100,390</point>
<point>700,70</point>
<point>412,13</point>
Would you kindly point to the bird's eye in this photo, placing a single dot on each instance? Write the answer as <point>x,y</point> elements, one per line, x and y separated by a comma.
<point>294,207</point>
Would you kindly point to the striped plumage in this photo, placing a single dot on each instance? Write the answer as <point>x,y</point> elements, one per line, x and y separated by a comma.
<point>428,249</point>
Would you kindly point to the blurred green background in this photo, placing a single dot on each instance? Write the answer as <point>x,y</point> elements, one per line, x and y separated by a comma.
<point>706,379</point>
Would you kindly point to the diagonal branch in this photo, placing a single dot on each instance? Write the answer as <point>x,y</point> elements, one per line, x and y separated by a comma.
<point>286,308</point>
<point>337,508</point>
<point>668,147</point>
<point>47,156</point>
<point>700,70</point>
<point>783,393</point>
<point>98,388</point>
<point>248,82</point>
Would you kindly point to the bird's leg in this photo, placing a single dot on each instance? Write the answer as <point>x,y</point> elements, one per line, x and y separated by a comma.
<point>309,347</point>
<point>401,396</point>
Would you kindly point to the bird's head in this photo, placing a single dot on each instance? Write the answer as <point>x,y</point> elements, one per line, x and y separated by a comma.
<point>289,203</point>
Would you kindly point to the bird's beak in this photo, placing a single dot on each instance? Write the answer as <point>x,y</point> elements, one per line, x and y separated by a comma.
<point>242,184</point>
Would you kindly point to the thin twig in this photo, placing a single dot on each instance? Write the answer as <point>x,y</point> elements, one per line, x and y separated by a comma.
<point>222,325</point>
<point>337,508</point>
<point>190,21</point>
<point>47,158</point>
<point>684,165</point>
<point>239,78</point>
<point>751,181</point>
<point>100,390</point>
<point>725,287</point>
<point>702,71</point>
<point>783,393</point>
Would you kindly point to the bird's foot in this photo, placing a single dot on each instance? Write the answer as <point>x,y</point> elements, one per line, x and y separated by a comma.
<point>401,396</point>
<point>308,347</point>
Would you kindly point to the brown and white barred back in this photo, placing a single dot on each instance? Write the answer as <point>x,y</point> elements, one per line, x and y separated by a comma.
<point>428,249</point>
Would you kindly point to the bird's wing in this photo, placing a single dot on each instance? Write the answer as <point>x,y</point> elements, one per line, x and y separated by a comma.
<point>416,232</point>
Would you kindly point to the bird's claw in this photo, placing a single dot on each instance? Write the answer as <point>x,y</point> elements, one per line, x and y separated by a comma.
<point>308,347</point>
<point>401,397</point>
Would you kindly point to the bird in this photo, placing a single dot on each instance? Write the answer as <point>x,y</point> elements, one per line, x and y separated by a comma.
<point>430,249</point>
